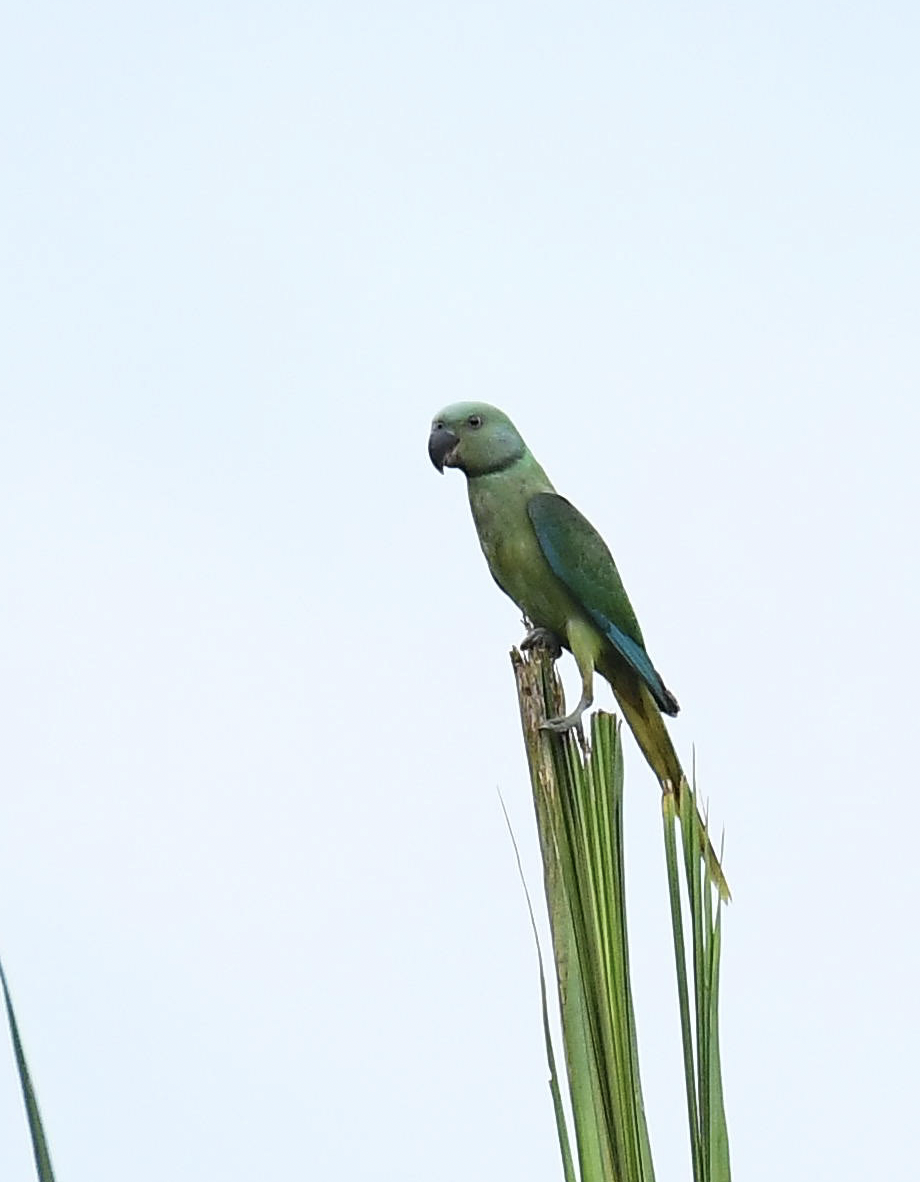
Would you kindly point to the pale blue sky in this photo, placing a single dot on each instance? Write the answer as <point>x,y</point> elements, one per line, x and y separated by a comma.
<point>257,901</point>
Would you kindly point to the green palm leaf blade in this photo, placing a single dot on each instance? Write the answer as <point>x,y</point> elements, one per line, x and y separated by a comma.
<point>558,1106</point>
<point>37,1132</point>
<point>700,1036</point>
<point>719,1164</point>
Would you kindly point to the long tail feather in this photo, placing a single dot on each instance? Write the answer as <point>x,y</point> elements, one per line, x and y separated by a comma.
<point>647,725</point>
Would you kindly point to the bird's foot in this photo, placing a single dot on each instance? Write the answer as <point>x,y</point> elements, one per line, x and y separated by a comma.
<point>543,638</point>
<point>560,725</point>
<point>569,722</point>
<point>572,722</point>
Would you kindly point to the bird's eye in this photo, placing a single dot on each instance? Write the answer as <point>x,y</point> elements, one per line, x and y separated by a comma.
<point>438,425</point>
<point>475,421</point>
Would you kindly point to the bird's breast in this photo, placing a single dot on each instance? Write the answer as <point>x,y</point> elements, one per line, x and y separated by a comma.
<point>517,563</point>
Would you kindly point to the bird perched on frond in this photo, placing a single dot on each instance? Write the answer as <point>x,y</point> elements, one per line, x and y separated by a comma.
<point>556,567</point>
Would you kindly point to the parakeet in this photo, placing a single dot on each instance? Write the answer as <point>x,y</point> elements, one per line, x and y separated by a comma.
<point>556,567</point>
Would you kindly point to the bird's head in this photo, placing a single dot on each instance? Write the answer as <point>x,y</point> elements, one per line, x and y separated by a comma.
<point>474,437</point>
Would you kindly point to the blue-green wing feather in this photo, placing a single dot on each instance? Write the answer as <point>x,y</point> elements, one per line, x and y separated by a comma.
<point>578,556</point>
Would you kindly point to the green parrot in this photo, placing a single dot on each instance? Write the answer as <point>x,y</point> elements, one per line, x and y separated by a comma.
<point>556,567</point>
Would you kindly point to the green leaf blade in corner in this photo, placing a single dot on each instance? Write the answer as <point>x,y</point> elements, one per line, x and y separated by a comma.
<point>698,974</point>
<point>39,1143</point>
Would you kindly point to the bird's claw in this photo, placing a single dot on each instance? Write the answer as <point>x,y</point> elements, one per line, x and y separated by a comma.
<point>543,638</point>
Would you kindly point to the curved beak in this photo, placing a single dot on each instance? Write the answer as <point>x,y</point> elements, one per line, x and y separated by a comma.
<point>441,445</point>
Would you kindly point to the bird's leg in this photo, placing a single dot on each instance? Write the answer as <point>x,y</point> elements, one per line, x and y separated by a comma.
<point>583,643</point>
<point>573,719</point>
<point>587,697</point>
<point>542,638</point>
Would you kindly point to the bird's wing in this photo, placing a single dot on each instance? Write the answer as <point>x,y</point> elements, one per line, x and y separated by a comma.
<point>578,556</point>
